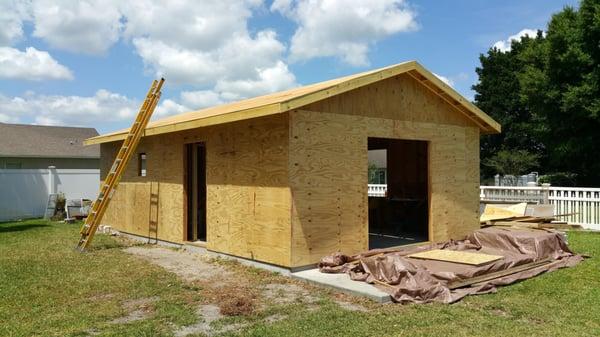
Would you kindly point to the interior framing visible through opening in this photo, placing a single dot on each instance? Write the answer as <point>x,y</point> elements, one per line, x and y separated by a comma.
<point>399,216</point>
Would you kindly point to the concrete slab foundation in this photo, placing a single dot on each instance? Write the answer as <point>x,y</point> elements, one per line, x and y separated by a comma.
<point>343,283</point>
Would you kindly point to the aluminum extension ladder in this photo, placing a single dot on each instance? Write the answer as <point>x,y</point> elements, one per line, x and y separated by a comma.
<point>123,156</point>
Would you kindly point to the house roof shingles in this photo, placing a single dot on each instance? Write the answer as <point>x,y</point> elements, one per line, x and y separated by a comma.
<point>21,140</point>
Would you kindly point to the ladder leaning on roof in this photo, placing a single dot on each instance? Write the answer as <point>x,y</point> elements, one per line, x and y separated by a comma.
<point>116,171</point>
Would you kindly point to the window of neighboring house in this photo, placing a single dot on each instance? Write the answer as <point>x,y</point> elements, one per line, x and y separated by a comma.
<point>142,164</point>
<point>12,165</point>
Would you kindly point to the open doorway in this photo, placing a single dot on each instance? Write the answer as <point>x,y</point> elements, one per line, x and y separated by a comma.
<point>398,192</point>
<point>196,191</point>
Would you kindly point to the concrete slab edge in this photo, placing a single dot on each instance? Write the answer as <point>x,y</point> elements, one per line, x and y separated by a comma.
<point>380,299</point>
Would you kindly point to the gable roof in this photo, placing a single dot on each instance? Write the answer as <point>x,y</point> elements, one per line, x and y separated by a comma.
<point>20,140</point>
<point>283,101</point>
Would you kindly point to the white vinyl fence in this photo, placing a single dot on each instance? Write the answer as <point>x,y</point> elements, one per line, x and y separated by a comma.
<point>24,192</point>
<point>582,203</point>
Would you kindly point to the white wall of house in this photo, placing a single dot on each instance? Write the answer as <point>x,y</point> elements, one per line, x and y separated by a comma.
<point>24,193</point>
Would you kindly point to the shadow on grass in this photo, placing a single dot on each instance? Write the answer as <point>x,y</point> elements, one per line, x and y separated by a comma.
<point>20,227</point>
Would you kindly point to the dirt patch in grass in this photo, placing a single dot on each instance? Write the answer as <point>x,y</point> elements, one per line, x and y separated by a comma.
<point>137,310</point>
<point>188,266</point>
<point>351,306</point>
<point>207,314</point>
<point>233,296</point>
<point>285,293</point>
<point>237,304</point>
<point>232,299</point>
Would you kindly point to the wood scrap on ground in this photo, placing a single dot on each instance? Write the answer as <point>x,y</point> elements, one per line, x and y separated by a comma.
<point>497,274</point>
<point>475,259</point>
<point>500,212</point>
<point>523,215</point>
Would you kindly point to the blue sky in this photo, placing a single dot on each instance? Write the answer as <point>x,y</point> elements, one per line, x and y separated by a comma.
<point>89,63</point>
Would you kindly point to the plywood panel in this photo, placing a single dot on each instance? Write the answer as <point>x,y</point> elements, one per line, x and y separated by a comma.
<point>327,160</point>
<point>475,259</point>
<point>328,178</point>
<point>400,98</point>
<point>248,198</point>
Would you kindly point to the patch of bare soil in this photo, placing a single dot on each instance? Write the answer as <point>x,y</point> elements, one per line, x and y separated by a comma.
<point>137,309</point>
<point>207,314</point>
<point>279,293</point>
<point>227,289</point>
<point>275,318</point>
<point>351,306</point>
<point>188,266</point>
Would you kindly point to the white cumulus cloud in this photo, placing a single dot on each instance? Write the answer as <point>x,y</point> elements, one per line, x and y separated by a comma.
<point>31,64</point>
<point>343,28</point>
<point>445,79</point>
<point>103,107</point>
<point>83,26</point>
<point>505,45</point>
<point>12,15</point>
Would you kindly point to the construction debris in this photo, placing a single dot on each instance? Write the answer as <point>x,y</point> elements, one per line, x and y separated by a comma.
<point>523,215</point>
<point>476,259</point>
<point>524,253</point>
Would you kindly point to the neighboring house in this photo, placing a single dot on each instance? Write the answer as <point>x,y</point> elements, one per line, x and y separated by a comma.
<point>26,154</point>
<point>37,147</point>
<point>282,178</point>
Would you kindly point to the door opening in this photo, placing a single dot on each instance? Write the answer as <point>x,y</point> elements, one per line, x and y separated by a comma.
<point>398,192</point>
<point>196,191</point>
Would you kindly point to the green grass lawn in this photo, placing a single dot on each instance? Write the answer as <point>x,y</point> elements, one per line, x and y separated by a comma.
<point>48,289</point>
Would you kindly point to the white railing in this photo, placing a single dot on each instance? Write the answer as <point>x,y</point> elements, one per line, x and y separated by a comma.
<point>583,204</point>
<point>377,190</point>
<point>532,194</point>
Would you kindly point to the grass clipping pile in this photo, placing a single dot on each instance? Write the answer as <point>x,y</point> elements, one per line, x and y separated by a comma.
<point>524,253</point>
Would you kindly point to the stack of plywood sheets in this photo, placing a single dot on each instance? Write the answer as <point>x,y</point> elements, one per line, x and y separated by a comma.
<point>523,215</point>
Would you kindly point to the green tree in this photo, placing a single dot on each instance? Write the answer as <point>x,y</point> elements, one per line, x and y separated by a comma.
<point>498,94</point>
<point>545,92</point>
<point>512,162</point>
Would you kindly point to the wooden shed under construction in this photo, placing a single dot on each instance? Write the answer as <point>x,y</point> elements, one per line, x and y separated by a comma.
<point>283,178</point>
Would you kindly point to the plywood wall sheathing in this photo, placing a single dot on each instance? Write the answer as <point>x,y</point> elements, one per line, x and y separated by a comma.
<point>248,204</point>
<point>328,164</point>
<point>290,188</point>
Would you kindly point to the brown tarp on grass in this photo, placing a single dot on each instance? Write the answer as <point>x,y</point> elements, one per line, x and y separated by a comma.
<point>411,280</point>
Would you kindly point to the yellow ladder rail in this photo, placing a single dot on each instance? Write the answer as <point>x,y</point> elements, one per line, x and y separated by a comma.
<point>111,181</point>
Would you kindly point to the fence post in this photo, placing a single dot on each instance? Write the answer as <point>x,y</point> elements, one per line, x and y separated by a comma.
<point>546,193</point>
<point>51,173</point>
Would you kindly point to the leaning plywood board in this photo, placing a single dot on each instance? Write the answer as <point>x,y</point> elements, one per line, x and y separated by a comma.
<point>497,212</point>
<point>542,211</point>
<point>475,259</point>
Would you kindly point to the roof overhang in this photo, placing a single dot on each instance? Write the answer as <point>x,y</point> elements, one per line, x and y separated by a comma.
<point>299,97</point>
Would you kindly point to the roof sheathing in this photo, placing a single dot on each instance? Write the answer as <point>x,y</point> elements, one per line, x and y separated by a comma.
<point>295,98</point>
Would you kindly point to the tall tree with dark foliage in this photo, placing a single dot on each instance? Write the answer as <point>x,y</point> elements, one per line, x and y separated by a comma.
<point>545,92</point>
